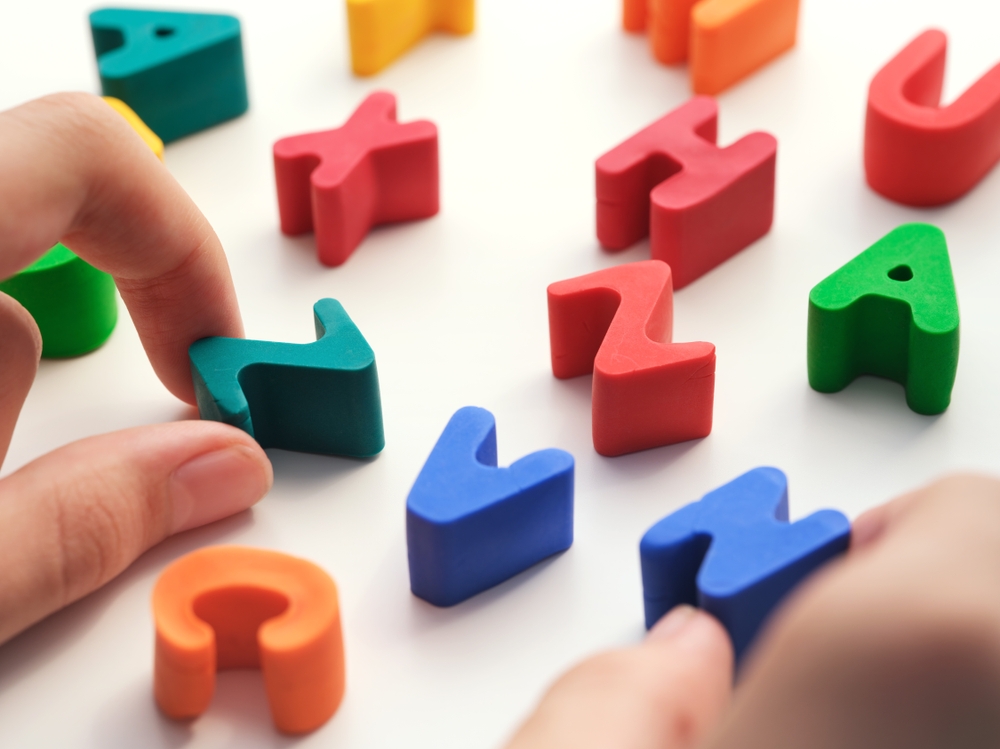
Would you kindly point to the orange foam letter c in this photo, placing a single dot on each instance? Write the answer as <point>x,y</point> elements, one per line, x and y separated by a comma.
<point>237,607</point>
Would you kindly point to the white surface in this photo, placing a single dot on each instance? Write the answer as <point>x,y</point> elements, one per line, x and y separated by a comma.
<point>454,308</point>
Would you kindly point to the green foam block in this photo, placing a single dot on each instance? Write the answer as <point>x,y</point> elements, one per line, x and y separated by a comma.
<point>320,397</point>
<point>73,303</point>
<point>890,312</point>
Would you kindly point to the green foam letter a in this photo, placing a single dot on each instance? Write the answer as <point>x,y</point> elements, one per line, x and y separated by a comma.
<point>890,312</point>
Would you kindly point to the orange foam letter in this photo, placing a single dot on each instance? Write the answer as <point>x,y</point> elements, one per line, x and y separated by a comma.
<point>724,40</point>
<point>236,607</point>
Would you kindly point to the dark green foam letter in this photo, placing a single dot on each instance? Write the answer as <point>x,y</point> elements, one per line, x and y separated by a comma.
<point>320,397</point>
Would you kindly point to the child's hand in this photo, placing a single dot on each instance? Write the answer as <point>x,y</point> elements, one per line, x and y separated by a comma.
<point>895,647</point>
<point>72,170</point>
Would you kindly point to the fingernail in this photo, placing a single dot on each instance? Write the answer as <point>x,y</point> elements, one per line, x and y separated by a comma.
<point>673,624</point>
<point>216,485</point>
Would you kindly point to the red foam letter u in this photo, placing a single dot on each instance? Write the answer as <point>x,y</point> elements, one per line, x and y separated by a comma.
<point>618,324</point>
<point>700,204</point>
<point>917,152</point>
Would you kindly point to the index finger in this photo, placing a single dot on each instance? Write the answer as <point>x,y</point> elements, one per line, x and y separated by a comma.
<point>72,170</point>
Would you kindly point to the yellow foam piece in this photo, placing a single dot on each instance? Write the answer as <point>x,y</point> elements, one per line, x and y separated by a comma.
<point>152,139</point>
<point>382,30</point>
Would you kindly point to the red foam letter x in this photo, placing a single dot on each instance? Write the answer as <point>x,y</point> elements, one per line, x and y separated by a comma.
<point>708,203</point>
<point>344,181</point>
<point>618,323</point>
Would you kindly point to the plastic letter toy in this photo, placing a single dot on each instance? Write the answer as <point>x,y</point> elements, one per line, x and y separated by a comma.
<point>635,14</point>
<point>471,525</point>
<point>618,323</point>
<point>320,397</point>
<point>150,138</point>
<point>917,152</point>
<point>890,312</point>
<point>730,39</point>
<point>180,72</point>
<point>670,30</point>
<point>724,40</point>
<point>73,303</point>
<point>734,553</point>
<point>700,204</point>
<point>344,181</point>
<point>235,607</point>
<point>382,30</point>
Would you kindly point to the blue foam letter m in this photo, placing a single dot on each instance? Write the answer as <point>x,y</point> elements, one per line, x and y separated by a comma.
<point>734,554</point>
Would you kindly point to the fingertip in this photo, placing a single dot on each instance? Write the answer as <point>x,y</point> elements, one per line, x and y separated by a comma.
<point>692,628</point>
<point>218,483</point>
<point>868,528</point>
<point>696,660</point>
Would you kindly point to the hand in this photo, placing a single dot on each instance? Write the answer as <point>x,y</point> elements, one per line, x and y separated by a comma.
<point>895,646</point>
<point>72,170</point>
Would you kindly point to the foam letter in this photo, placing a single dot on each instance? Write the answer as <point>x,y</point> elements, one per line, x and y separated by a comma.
<point>74,304</point>
<point>724,40</point>
<point>618,324</point>
<point>700,204</point>
<point>235,607</point>
<point>180,72</point>
<point>917,152</point>
<point>734,553</point>
<point>320,397</point>
<point>382,30</point>
<point>344,181</point>
<point>471,525</point>
<point>890,312</point>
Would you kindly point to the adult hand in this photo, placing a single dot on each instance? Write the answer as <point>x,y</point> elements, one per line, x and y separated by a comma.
<point>895,646</point>
<point>666,693</point>
<point>72,170</point>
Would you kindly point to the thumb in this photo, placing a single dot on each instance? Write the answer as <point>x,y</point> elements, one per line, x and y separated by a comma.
<point>666,693</point>
<point>75,518</point>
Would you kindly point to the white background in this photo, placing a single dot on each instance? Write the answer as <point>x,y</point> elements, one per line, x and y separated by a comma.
<point>455,310</point>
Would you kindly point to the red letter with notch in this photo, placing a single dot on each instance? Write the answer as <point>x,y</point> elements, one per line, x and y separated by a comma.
<point>917,152</point>
<point>342,182</point>
<point>618,324</point>
<point>700,204</point>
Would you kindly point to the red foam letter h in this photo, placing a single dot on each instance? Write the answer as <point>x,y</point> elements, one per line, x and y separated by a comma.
<point>707,203</point>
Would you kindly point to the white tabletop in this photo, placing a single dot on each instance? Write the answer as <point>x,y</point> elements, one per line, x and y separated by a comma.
<point>455,310</point>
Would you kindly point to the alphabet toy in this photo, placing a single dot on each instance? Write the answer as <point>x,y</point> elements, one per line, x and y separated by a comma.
<point>73,303</point>
<point>699,204</point>
<point>235,607</point>
<point>734,553</point>
<point>917,152</point>
<point>382,30</point>
<point>471,525</point>
<point>180,72</point>
<point>150,138</point>
<point>617,323</point>
<point>890,312</point>
<point>724,40</point>
<point>344,181</point>
<point>320,397</point>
